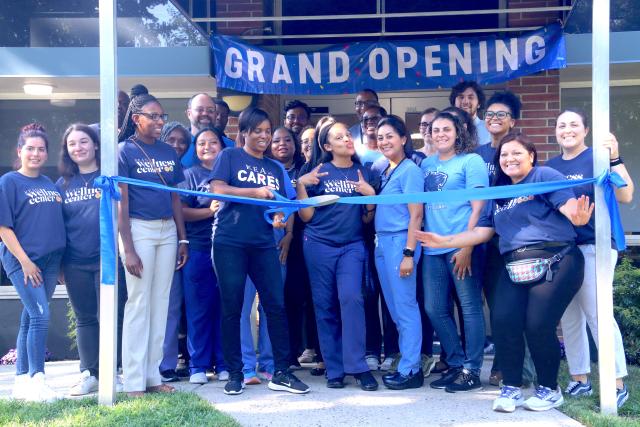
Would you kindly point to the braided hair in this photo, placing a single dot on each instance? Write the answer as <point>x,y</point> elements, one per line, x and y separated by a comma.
<point>135,106</point>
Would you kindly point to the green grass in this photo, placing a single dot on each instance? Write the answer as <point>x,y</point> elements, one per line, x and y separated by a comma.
<point>587,409</point>
<point>175,409</point>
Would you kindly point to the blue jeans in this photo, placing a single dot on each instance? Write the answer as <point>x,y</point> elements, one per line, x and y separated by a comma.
<point>335,274</point>
<point>400,295</point>
<point>439,281</point>
<point>34,321</point>
<point>202,308</point>
<point>174,315</point>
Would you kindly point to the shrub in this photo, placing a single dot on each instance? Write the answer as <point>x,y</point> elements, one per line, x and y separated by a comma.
<point>626,299</point>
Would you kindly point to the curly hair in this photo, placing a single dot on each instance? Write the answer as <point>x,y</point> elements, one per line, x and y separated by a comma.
<point>465,143</point>
<point>509,99</point>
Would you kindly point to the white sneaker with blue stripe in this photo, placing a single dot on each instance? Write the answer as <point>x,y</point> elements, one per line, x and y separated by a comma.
<point>544,399</point>
<point>578,389</point>
<point>510,398</point>
<point>622,394</point>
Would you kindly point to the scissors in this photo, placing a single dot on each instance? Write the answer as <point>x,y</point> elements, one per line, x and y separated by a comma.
<point>326,199</point>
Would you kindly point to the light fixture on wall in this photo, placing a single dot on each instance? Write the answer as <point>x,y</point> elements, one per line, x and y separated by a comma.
<point>238,102</point>
<point>38,89</point>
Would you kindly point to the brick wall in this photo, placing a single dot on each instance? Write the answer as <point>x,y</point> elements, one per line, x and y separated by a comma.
<point>540,96</point>
<point>539,93</point>
<point>238,8</point>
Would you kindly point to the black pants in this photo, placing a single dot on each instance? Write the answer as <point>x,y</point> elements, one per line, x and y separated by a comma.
<point>303,332</point>
<point>83,287</point>
<point>534,310</point>
<point>232,265</point>
<point>493,267</point>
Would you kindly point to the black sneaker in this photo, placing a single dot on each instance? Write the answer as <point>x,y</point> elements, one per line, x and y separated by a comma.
<point>367,381</point>
<point>234,386</point>
<point>336,382</point>
<point>403,382</point>
<point>286,381</point>
<point>169,376</point>
<point>447,378</point>
<point>466,381</point>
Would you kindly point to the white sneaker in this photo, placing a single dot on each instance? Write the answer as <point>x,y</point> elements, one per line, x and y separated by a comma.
<point>198,378</point>
<point>544,399</point>
<point>87,384</point>
<point>223,376</point>
<point>386,364</point>
<point>21,387</point>
<point>510,398</point>
<point>307,356</point>
<point>40,391</point>
<point>372,362</point>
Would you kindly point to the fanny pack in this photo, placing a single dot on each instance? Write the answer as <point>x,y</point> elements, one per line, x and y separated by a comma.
<point>526,271</point>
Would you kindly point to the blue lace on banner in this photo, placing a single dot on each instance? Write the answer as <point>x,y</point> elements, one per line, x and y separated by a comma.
<point>110,192</point>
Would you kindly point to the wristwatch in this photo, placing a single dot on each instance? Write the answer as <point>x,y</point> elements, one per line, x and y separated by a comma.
<point>408,252</point>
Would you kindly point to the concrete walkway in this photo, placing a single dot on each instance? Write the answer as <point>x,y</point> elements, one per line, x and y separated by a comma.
<point>258,406</point>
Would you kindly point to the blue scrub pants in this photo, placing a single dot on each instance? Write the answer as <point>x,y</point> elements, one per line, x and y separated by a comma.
<point>174,313</point>
<point>400,294</point>
<point>335,274</point>
<point>202,307</point>
<point>264,358</point>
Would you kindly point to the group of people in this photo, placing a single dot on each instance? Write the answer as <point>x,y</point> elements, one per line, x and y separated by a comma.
<point>339,284</point>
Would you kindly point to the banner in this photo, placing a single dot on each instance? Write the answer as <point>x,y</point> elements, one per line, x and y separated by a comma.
<point>386,65</point>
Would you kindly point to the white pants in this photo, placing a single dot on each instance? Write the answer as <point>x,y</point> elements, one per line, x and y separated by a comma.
<point>582,311</point>
<point>145,313</point>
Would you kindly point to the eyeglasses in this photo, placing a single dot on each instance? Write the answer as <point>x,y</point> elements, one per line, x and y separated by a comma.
<point>498,114</point>
<point>201,110</point>
<point>155,116</point>
<point>374,119</point>
<point>425,124</point>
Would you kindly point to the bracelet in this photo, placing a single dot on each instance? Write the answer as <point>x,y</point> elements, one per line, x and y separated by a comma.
<point>370,210</point>
<point>616,162</point>
<point>186,242</point>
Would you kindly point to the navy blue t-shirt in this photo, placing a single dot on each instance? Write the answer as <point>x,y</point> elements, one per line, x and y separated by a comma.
<point>149,203</point>
<point>580,167</point>
<point>81,211</point>
<point>528,220</point>
<point>32,208</point>
<point>487,152</point>
<point>198,232</point>
<point>241,224</point>
<point>337,224</point>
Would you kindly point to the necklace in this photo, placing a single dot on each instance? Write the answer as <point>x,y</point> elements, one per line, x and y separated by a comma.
<point>92,175</point>
<point>344,174</point>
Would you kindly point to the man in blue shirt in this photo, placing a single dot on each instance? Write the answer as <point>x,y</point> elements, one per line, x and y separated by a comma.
<point>469,96</point>
<point>201,112</point>
<point>365,98</point>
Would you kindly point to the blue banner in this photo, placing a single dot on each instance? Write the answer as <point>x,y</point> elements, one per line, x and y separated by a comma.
<point>386,65</point>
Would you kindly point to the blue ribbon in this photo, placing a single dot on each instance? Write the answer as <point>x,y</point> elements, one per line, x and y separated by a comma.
<point>110,191</point>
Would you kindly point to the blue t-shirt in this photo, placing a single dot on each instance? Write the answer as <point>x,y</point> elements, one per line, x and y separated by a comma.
<point>484,137</point>
<point>580,167</point>
<point>148,203</point>
<point>528,220</point>
<point>487,152</point>
<point>462,171</point>
<point>405,178</point>
<point>337,224</point>
<point>368,157</point>
<point>81,211</point>
<point>196,178</point>
<point>241,224</point>
<point>32,208</point>
<point>190,157</point>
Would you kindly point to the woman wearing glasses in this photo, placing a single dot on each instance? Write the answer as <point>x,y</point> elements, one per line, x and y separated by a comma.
<point>151,226</point>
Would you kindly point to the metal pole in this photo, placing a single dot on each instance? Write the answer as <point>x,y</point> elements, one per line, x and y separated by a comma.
<point>109,167</point>
<point>600,61</point>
